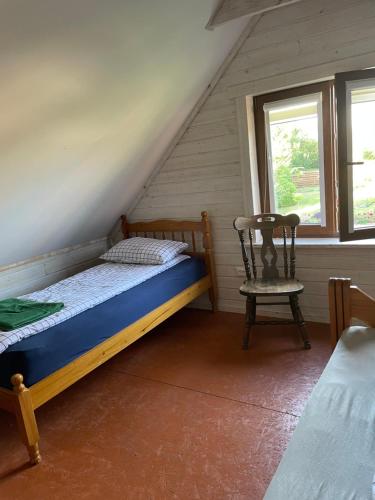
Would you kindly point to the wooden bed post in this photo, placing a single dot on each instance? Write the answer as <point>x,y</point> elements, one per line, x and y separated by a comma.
<point>340,307</point>
<point>124,226</point>
<point>26,418</point>
<point>210,260</point>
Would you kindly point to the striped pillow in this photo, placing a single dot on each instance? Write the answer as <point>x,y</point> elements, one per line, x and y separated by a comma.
<point>144,251</point>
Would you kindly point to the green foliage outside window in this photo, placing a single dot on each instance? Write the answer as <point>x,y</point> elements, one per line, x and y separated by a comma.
<point>368,154</point>
<point>300,153</point>
<point>285,187</point>
<point>304,152</point>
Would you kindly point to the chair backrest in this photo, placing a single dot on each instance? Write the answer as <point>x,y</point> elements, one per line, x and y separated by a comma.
<point>267,223</point>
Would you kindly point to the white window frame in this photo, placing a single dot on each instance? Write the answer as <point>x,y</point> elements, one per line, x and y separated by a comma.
<point>271,106</point>
<point>352,85</point>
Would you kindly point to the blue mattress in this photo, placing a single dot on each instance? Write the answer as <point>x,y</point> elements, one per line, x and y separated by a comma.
<point>42,354</point>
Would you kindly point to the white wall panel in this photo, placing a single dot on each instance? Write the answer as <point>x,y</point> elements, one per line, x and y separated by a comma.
<point>37,273</point>
<point>286,47</point>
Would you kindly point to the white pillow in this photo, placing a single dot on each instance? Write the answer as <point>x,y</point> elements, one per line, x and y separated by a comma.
<point>144,251</point>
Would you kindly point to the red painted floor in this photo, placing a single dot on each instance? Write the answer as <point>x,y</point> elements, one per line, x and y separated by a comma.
<point>183,413</point>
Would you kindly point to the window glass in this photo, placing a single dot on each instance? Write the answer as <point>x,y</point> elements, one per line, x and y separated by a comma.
<point>361,153</point>
<point>294,141</point>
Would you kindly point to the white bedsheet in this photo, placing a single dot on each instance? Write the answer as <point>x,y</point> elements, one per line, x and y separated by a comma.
<point>83,291</point>
<point>331,455</point>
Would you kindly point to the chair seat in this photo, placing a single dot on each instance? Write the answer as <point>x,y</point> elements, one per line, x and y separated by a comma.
<point>279,286</point>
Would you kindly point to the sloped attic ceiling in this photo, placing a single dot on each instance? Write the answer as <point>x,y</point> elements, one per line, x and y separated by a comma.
<point>91,94</point>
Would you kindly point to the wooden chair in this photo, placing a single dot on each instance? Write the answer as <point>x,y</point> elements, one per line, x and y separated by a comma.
<point>270,284</point>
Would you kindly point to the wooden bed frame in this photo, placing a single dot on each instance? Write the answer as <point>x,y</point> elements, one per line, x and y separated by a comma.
<point>22,401</point>
<point>346,302</point>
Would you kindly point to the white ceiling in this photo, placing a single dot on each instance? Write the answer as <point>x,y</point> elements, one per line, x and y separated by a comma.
<point>91,93</point>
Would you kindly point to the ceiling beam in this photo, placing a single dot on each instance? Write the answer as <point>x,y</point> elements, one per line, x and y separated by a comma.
<point>232,9</point>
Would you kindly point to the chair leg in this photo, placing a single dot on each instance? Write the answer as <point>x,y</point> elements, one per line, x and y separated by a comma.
<point>213,299</point>
<point>251,304</point>
<point>298,318</point>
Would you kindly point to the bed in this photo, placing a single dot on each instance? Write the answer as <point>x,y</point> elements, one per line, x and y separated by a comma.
<point>33,370</point>
<point>348,302</point>
<point>331,453</point>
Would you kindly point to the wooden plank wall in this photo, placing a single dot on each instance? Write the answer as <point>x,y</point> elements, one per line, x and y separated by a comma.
<point>39,272</point>
<point>308,40</point>
<point>231,9</point>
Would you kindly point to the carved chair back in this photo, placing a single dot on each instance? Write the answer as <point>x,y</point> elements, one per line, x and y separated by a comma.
<point>267,224</point>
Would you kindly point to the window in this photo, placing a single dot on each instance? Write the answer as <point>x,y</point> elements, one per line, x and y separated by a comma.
<point>296,161</point>
<point>297,149</point>
<point>356,153</point>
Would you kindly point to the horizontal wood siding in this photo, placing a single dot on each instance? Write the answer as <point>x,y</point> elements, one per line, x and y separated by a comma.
<point>231,9</point>
<point>39,272</point>
<point>314,268</point>
<point>296,44</point>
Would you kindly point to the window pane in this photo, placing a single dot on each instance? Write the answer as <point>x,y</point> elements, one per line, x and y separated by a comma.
<point>295,149</point>
<point>363,150</point>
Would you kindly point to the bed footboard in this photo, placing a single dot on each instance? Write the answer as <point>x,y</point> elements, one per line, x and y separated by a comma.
<point>346,302</point>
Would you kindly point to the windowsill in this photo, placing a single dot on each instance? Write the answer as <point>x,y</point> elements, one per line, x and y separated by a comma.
<point>324,243</point>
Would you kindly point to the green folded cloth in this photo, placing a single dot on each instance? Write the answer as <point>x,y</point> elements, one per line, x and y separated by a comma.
<point>15,313</point>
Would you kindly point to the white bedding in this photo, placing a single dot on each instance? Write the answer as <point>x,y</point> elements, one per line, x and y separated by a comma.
<point>331,455</point>
<point>83,291</point>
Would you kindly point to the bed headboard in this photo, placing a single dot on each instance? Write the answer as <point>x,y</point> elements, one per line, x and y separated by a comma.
<point>346,302</point>
<point>196,233</point>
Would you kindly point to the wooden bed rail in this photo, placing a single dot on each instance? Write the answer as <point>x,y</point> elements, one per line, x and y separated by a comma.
<point>346,302</point>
